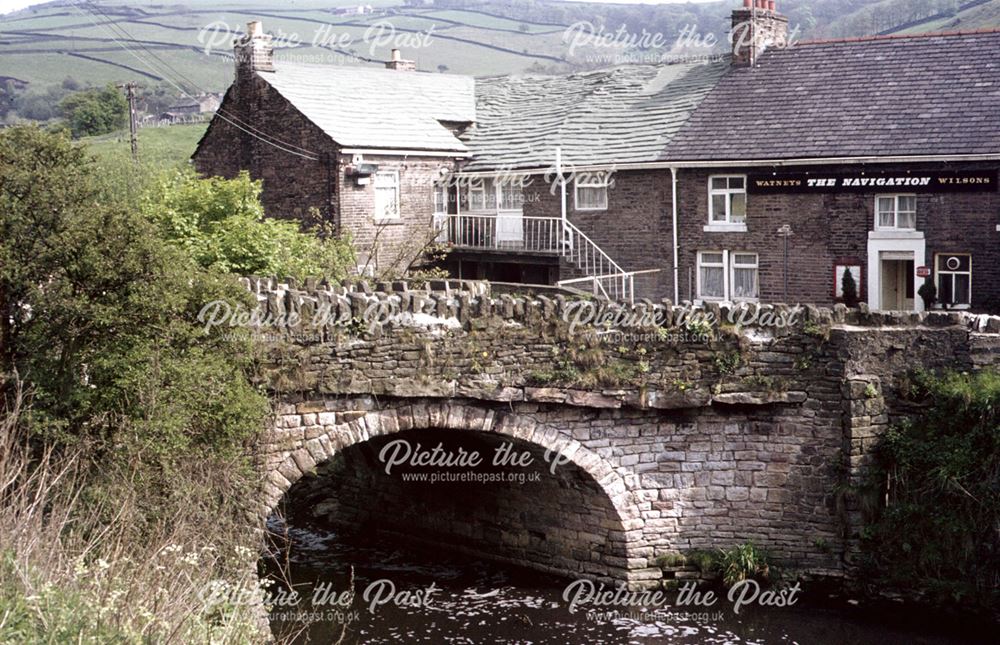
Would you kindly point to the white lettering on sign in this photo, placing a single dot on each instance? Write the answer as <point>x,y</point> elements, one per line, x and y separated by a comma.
<point>886,181</point>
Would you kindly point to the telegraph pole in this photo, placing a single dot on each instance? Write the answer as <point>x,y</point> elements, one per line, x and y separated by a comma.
<point>133,119</point>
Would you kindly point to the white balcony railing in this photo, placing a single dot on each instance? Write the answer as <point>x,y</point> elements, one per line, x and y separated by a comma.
<point>506,230</point>
<point>509,230</point>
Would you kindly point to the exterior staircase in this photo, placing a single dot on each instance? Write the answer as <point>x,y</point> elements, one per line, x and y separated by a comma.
<point>592,270</point>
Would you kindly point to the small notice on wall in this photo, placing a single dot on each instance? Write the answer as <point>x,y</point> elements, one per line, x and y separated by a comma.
<point>838,277</point>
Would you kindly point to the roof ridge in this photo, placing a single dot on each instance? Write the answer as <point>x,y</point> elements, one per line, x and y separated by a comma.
<point>879,37</point>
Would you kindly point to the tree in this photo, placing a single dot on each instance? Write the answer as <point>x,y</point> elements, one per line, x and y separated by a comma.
<point>95,111</point>
<point>98,317</point>
<point>849,288</point>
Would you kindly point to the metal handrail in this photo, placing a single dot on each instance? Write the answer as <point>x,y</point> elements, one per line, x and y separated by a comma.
<point>485,230</point>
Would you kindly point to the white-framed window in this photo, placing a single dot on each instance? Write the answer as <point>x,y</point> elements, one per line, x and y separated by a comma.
<point>728,275</point>
<point>590,191</point>
<point>475,195</point>
<point>440,196</point>
<point>896,212</point>
<point>387,194</point>
<point>509,195</point>
<point>744,283</point>
<point>712,275</point>
<point>954,279</point>
<point>440,217</point>
<point>727,199</point>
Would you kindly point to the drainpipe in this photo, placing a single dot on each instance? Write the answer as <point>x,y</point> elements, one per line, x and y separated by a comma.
<point>562,189</point>
<point>673,204</point>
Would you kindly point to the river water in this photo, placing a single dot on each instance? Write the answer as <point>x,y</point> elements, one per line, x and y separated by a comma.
<point>418,596</point>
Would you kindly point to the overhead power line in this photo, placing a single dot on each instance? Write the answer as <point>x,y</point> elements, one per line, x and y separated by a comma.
<point>117,32</point>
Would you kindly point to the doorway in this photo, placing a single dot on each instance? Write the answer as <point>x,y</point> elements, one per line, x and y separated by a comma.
<point>898,281</point>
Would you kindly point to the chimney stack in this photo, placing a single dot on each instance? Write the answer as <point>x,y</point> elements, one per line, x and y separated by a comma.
<point>398,63</point>
<point>254,52</point>
<point>756,27</point>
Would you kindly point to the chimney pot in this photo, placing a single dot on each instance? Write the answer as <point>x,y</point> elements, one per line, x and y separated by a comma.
<point>772,5</point>
<point>748,4</point>
<point>397,62</point>
<point>254,29</point>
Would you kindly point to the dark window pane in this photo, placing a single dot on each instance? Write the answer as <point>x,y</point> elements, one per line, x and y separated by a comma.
<point>962,289</point>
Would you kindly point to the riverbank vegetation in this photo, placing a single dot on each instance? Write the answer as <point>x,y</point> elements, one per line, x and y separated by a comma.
<point>939,474</point>
<point>124,470</point>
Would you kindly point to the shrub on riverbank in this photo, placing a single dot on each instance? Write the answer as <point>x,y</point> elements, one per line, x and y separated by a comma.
<point>125,481</point>
<point>938,533</point>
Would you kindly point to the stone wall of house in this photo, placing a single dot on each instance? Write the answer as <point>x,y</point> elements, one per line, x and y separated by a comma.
<point>304,174</point>
<point>695,434</point>
<point>296,171</point>
<point>831,229</point>
<point>828,229</point>
<point>635,230</point>
<point>391,242</point>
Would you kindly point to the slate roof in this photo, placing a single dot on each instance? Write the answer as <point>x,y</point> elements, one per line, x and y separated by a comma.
<point>929,94</point>
<point>378,108</point>
<point>625,114</point>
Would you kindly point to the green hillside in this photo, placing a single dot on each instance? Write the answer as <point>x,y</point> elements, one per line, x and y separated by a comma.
<point>183,48</point>
<point>978,16</point>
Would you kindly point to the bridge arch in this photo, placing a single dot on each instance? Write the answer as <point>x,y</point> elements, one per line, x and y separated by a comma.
<point>320,445</point>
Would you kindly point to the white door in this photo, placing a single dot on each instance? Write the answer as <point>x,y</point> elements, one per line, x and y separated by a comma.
<point>897,281</point>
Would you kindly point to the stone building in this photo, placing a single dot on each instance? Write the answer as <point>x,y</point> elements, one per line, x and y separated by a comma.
<point>358,150</point>
<point>877,156</point>
<point>764,176</point>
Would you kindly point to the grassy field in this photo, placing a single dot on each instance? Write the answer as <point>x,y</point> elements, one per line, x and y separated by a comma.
<point>162,43</point>
<point>168,42</point>
<point>158,147</point>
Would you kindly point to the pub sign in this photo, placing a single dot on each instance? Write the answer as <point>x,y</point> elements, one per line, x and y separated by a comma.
<point>940,181</point>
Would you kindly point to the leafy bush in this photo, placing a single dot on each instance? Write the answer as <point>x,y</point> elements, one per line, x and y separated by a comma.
<point>671,560</point>
<point>78,570</point>
<point>938,532</point>
<point>221,224</point>
<point>124,487</point>
<point>743,562</point>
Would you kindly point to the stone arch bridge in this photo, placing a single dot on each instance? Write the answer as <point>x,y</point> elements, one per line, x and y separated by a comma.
<point>671,428</point>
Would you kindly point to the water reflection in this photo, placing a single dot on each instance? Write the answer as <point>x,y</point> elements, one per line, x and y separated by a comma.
<point>472,601</point>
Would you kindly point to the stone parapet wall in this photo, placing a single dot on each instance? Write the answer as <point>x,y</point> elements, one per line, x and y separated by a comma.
<point>467,300</point>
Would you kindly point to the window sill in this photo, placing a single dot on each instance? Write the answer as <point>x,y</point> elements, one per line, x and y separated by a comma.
<point>732,301</point>
<point>725,228</point>
<point>953,308</point>
<point>895,234</point>
<point>394,221</point>
<point>590,210</point>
